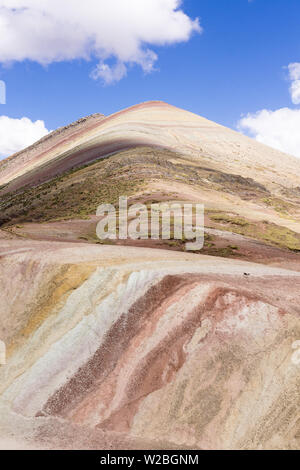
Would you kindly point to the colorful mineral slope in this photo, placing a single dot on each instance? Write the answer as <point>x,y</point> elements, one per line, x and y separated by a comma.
<point>160,348</point>
<point>154,124</point>
<point>134,347</point>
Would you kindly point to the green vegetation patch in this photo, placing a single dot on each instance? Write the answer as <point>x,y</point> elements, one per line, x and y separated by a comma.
<point>75,194</point>
<point>284,208</point>
<point>227,219</point>
<point>267,232</point>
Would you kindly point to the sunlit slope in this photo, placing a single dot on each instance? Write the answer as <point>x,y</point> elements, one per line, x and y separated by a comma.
<point>138,344</point>
<point>109,344</point>
<point>154,124</point>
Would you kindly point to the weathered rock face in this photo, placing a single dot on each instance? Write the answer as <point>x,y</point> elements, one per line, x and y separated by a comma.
<point>132,347</point>
<point>154,124</point>
<point>128,346</point>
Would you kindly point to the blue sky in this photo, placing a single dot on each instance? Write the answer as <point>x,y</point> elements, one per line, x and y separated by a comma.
<point>234,66</point>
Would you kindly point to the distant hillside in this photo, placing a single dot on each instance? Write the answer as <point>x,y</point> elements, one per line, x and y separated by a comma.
<point>158,125</point>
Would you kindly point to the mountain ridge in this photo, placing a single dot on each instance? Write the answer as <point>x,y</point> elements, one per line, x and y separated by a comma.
<point>130,343</point>
<point>155,124</point>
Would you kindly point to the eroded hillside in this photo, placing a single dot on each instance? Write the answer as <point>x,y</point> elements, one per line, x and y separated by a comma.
<point>138,343</point>
<point>240,212</point>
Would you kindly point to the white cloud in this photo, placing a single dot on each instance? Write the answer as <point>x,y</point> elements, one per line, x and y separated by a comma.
<point>16,134</point>
<point>279,129</point>
<point>294,70</point>
<point>109,74</point>
<point>48,31</point>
